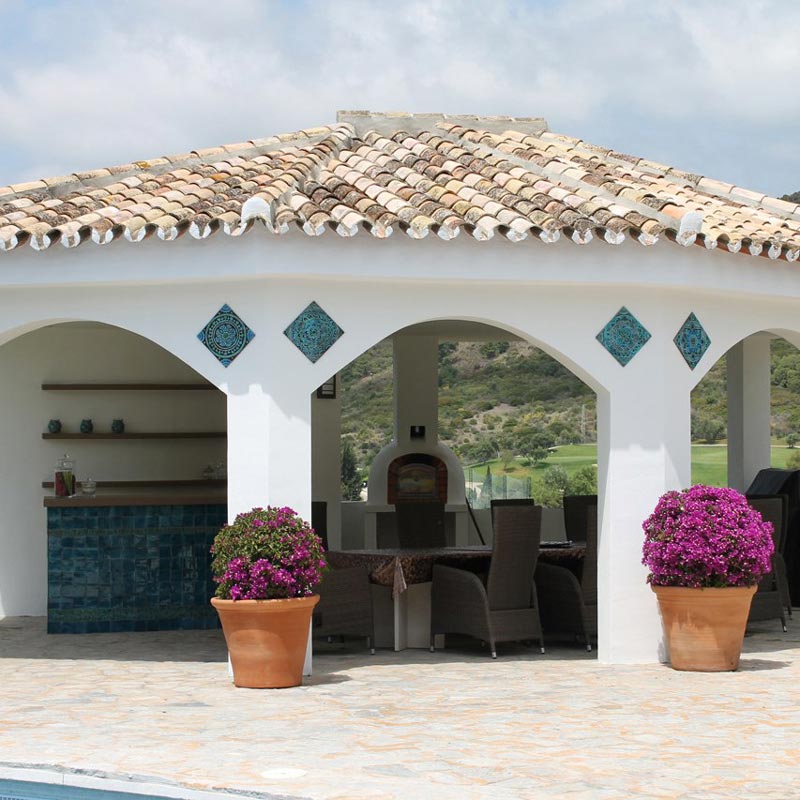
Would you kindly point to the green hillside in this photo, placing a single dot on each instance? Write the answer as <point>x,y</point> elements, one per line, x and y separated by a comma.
<point>493,397</point>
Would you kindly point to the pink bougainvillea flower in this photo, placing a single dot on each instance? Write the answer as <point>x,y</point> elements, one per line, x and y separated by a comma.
<point>706,536</point>
<point>267,554</point>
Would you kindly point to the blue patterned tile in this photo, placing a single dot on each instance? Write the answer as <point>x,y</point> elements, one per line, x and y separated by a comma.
<point>313,332</point>
<point>623,336</point>
<point>226,335</point>
<point>124,577</point>
<point>692,340</point>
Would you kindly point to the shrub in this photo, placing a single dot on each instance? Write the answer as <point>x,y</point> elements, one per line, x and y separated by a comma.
<point>706,537</point>
<point>267,553</point>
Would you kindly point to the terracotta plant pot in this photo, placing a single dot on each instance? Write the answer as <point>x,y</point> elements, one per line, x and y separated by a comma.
<point>266,639</point>
<point>704,627</point>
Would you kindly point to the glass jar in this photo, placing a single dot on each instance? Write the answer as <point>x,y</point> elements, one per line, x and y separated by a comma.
<point>64,478</point>
<point>88,487</point>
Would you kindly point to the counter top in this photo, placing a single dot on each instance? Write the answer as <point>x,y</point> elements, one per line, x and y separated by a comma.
<point>142,497</point>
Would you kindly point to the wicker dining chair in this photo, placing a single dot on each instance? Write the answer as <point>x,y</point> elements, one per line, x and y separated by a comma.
<point>772,596</point>
<point>319,520</point>
<point>503,610</point>
<point>420,523</point>
<point>345,605</point>
<point>511,502</point>
<point>566,604</point>
<point>576,508</point>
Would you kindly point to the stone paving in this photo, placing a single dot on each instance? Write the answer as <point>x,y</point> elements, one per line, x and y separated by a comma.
<point>159,707</point>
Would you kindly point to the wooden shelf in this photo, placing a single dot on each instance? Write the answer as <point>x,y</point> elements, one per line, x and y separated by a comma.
<point>199,483</point>
<point>160,435</point>
<point>127,387</point>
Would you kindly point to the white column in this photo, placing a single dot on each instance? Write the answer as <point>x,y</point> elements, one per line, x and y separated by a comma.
<point>269,448</point>
<point>326,460</point>
<point>748,409</point>
<point>644,450</point>
<point>416,387</point>
<point>269,452</point>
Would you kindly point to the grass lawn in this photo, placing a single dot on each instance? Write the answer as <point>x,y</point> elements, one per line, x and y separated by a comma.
<point>709,463</point>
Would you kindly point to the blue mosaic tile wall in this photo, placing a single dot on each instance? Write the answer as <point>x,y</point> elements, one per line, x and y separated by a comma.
<point>131,568</point>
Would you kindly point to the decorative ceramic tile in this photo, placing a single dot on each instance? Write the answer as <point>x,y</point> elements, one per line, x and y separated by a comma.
<point>623,336</point>
<point>226,335</point>
<point>313,332</point>
<point>692,340</point>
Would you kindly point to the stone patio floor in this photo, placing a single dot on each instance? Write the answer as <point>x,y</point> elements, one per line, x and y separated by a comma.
<point>159,707</point>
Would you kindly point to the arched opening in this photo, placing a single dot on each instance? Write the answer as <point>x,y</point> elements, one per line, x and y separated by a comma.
<point>745,430</point>
<point>130,551</point>
<point>489,414</point>
<point>770,369</point>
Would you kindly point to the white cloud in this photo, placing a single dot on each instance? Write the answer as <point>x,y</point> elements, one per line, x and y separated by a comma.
<point>81,89</point>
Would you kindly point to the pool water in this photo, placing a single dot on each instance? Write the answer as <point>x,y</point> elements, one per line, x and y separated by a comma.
<point>25,790</point>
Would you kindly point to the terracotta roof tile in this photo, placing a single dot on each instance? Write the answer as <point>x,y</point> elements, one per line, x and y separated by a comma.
<point>449,174</point>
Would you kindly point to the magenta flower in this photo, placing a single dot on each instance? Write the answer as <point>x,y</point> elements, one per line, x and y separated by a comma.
<point>706,537</point>
<point>266,554</point>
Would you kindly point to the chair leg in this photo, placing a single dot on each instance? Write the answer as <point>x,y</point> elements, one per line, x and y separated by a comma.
<point>494,653</point>
<point>370,646</point>
<point>433,643</point>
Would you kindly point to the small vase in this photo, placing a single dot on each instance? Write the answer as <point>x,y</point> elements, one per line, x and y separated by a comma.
<point>117,426</point>
<point>54,426</point>
<point>86,426</point>
<point>704,628</point>
<point>266,639</point>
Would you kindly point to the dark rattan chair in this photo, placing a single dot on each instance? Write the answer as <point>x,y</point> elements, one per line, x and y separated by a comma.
<point>319,520</point>
<point>504,610</point>
<point>420,523</point>
<point>772,596</point>
<point>566,604</point>
<point>576,508</point>
<point>345,605</point>
<point>512,502</point>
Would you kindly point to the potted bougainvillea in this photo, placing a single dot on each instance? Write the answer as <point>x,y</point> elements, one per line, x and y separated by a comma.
<point>706,549</point>
<point>267,564</point>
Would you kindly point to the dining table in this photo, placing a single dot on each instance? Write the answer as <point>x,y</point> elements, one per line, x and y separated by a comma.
<point>401,569</point>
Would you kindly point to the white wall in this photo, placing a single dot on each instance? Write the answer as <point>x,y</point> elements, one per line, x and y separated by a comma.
<point>86,353</point>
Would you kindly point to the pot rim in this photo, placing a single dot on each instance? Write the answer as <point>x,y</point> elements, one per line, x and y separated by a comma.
<point>658,589</point>
<point>311,599</point>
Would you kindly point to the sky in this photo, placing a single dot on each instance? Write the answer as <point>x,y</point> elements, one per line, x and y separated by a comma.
<point>710,87</point>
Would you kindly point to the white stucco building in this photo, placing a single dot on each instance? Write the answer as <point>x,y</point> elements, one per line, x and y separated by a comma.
<point>387,223</point>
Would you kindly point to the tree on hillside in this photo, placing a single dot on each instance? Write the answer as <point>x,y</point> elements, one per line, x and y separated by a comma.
<point>794,197</point>
<point>792,439</point>
<point>583,481</point>
<point>786,371</point>
<point>707,428</point>
<point>351,477</point>
<point>555,483</point>
<point>486,489</point>
<point>506,459</point>
<point>535,446</point>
